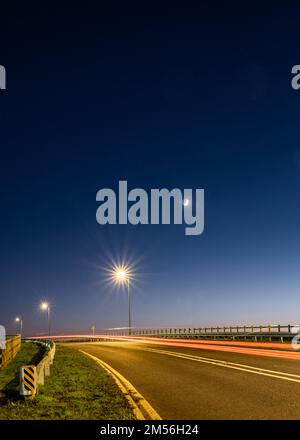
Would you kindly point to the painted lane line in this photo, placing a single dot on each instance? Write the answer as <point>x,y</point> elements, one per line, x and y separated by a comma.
<point>141,407</point>
<point>137,412</point>
<point>242,367</point>
<point>232,363</point>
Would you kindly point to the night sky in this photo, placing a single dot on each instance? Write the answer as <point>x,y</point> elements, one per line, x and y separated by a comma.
<point>160,96</point>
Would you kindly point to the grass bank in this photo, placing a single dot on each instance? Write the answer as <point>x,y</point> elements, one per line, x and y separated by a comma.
<point>9,380</point>
<point>77,389</point>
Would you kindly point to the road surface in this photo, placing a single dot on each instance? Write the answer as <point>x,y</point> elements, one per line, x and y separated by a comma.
<point>189,383</point>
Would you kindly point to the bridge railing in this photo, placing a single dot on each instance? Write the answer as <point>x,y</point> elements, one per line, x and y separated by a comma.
<point>278,332</point>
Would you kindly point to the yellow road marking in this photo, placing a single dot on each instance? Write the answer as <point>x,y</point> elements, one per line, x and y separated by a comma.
<point>141,407</point>
<point>232,365</point>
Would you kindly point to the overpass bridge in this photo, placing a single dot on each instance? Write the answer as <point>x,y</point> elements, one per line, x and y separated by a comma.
<point>254,333</point>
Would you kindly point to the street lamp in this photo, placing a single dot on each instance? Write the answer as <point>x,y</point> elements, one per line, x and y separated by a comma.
<point>121,276</point>
<point>46,307</point>
<point>20,320</point>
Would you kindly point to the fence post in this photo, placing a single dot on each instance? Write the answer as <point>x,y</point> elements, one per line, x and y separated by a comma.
<point>47,369</point>
<point>41,376</point>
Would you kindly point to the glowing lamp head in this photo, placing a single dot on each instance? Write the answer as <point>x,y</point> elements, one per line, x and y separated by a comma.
<point>121,275</point>
<point>18,319</point>
<point>44,306</point>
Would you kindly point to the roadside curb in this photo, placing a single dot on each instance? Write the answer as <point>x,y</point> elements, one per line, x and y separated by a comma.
<point>140,406</point>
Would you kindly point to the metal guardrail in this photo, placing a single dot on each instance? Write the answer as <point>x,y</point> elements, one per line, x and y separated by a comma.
<point>282,333</point>
<point>12,346</point>
<point>42,369</point>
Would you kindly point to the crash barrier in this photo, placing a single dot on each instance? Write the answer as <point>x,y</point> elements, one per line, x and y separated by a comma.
<point>263,333</point>
<point>31,376</point>
<point>256,333</point>
<point>12,346</point>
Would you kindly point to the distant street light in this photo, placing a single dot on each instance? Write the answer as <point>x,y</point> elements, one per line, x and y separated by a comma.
<point>122,275</point>
<point>20,320</point>
<point>46,307</point>
<point>93,329</point>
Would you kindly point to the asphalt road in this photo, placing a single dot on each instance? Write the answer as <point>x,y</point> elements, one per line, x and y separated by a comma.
<point>203,387</point>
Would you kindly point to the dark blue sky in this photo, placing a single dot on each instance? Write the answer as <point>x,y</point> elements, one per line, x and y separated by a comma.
<point>161,97</point>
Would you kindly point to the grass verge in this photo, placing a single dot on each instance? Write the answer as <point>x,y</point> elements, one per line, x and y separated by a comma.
<point>77,389</point>
<point>29,354</point>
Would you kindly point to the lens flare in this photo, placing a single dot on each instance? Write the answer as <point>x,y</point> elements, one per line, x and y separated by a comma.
<point>120,274</point>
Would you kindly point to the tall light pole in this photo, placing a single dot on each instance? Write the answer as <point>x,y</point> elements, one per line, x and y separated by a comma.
<point>20,320</point>
<point>93,329</point>
<point>129,305</point>
<point>121,275</point>
<point>46,307</point>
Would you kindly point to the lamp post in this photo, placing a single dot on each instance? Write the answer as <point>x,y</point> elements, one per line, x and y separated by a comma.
<point>121,275</point>
<point>20,321</point>
<point>46,307</point>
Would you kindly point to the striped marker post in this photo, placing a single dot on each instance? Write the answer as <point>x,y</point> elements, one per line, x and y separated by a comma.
<point>28,381</point>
